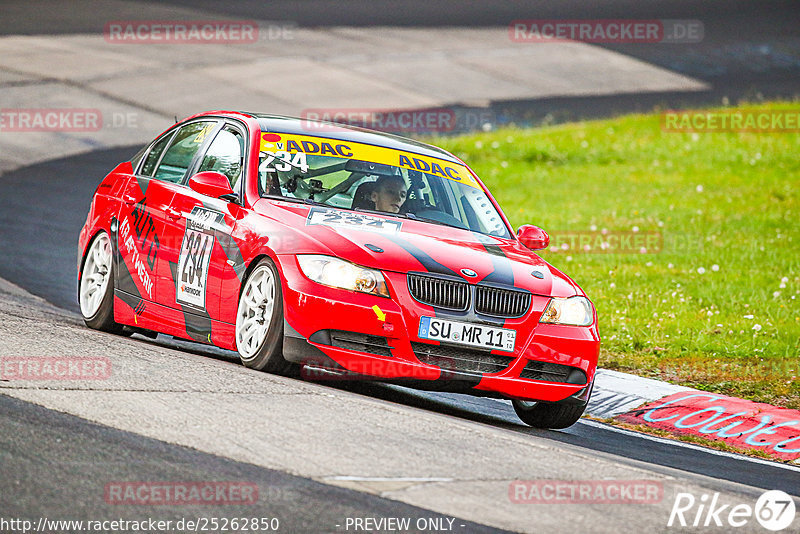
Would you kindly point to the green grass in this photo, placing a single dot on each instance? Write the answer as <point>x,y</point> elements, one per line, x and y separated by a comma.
<point>727,207</point>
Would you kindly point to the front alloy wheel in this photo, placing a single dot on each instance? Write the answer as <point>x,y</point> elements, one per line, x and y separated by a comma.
<point>259,321</point>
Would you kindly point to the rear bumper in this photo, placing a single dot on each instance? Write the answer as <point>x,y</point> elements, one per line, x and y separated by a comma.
<point>339,330</point>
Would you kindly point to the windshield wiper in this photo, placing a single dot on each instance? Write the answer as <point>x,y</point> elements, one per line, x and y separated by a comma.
<point>377,212</point>
<point>408,215</point>
<point>440,223</point>
<point>295,199</point>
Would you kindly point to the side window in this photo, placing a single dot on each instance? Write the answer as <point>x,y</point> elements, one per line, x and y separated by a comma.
<point>152,158</point>
<point>184,146</point>
<point>225,154</point>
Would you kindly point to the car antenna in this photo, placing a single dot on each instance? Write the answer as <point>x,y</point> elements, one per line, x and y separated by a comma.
<point>176,119</point>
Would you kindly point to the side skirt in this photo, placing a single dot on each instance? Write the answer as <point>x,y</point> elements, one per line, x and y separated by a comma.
<point>136,312</point>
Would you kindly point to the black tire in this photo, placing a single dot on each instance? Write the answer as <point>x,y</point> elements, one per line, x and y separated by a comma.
<point>549,414</point>
<point>269,355</point>
<point>103,318</point>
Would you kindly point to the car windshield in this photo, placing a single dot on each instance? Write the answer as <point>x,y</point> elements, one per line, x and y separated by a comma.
<point>350,175</point>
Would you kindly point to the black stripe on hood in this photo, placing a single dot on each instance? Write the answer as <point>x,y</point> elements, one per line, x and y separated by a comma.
<point>503,272</point>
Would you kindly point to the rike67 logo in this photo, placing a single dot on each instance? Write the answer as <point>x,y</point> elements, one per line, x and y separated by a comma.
<point>774,510</point>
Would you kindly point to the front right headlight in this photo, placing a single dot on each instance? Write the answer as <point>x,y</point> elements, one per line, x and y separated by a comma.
<point>575,311</point>
<point>335,272</point>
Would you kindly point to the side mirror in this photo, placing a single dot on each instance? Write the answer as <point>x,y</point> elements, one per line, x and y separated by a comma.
<point>533,237</point>
<point>213,184</point>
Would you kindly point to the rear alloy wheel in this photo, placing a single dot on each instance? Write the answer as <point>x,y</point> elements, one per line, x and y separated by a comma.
<point>549,414</point>
<point>96,289</point>
<point>259,321</point>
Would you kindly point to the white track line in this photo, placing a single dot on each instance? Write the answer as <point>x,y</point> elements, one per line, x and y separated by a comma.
<point>677,443</point>
<point>388,479</point>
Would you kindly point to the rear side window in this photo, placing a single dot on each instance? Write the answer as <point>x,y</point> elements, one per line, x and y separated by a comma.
<point>182,150</point>
<point>152,158</point>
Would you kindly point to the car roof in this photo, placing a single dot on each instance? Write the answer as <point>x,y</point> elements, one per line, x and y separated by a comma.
<point>331,130</point>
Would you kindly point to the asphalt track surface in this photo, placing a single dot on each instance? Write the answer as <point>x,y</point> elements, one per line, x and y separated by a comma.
<point>42,208</point>
<point>750,49</point>
<point>66,470</point>
<point>70,17</point>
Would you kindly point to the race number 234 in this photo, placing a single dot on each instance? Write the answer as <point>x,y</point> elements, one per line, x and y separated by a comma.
<point>193,267</point>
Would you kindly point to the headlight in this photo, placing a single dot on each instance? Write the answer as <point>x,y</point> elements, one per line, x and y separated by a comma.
<point>576,311</point>
<point>334,272</point>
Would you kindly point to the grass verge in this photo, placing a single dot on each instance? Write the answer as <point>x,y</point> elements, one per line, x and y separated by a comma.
<point>716,305</point>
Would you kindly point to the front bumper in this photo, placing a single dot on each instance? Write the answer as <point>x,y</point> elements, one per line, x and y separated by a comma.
<point>340,330</point>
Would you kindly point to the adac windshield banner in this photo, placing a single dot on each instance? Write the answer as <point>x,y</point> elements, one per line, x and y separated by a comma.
<point>336,148</point>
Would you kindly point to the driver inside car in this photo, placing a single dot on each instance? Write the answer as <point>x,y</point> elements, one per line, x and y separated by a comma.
<point>389,193</point>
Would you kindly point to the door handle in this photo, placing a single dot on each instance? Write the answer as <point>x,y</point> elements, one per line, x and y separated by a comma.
<point>129,199</point>
<point>173,214</point>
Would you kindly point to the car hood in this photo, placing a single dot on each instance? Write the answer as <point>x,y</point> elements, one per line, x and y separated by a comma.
<point>409,245</point>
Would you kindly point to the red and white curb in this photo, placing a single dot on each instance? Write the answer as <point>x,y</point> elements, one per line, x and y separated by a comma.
<point>616,393</point>
<point>684,411</point>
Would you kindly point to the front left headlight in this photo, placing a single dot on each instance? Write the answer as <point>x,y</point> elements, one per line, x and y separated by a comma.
<point>575,311</point>
<point>336,272</point>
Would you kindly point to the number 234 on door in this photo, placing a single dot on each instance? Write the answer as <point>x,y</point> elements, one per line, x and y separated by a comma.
<point>198,242</point>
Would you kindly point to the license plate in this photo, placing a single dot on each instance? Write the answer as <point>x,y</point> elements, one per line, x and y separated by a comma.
<point>473,335</point>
